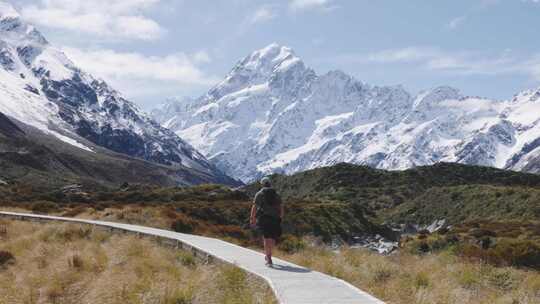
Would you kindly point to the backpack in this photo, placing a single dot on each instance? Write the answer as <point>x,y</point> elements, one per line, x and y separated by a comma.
<point>270,200</point>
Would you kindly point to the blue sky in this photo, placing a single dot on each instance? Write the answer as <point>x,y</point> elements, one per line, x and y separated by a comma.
<point>154,49</point>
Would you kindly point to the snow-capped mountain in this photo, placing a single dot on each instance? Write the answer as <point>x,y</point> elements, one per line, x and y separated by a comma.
<point>41,87</point>
<point>273,114</point>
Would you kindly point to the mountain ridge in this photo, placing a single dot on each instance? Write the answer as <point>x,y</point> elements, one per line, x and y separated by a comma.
<point>42,88</point>
<point>273,114</point>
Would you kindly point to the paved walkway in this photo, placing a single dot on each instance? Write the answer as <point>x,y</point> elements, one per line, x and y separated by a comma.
<point>291,283</point>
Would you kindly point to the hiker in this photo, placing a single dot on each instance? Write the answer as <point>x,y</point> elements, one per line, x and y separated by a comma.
<point>267,213</point>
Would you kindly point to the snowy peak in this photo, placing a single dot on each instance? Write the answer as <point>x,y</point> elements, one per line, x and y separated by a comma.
<point>269,65</point>
<point>273,114</point>
<point>14,29</point>
<point>527,96</point>
<point>434,96</point>
<point>42,88</point>
<point>270,59</point>
<point>7,11</point>
<point>166,111</point>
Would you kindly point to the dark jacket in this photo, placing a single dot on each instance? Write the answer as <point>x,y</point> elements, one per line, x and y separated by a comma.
<point>268,203</point>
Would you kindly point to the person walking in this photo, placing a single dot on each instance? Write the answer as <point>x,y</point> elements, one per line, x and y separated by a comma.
<point>266,214</point>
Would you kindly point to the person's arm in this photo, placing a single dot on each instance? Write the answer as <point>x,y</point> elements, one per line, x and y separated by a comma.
<point>281,208</point>
<point>252,215</point>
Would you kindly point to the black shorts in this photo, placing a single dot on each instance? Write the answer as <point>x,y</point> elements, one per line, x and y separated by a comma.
<point>270,227</point>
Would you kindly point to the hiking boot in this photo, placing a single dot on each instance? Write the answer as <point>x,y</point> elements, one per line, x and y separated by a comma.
<point>268,261</point>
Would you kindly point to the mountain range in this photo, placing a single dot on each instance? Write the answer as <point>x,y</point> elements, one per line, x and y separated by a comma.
<point>273,114</point>
<point>59,105</point>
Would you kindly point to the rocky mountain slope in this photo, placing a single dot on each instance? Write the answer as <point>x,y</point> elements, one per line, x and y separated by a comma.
<point>30,158</point>
<point>272,113</point>
<point>41,88</point>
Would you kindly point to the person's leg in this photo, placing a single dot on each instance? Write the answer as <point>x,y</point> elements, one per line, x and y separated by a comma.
<point>268,245</point>
<point>266,248</point>
<point>272,244</point>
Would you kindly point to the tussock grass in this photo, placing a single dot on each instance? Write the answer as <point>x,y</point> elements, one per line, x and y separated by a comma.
<point>70,263</point>
<point>441,278</point>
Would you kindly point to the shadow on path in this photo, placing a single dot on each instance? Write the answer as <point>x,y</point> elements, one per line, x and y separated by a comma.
<point>290,268</point>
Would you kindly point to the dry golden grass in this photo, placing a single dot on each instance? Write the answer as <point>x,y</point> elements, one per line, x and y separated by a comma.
<point>69,263</point>
<point>403,278</point>
<point>435,279</point>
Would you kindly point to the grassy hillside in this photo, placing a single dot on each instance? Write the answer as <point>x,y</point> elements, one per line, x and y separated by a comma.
<point>339,201</point>
<point>68,263</point>
<point>470,202</point>
<point>423,194</point>
<point>348,177</point>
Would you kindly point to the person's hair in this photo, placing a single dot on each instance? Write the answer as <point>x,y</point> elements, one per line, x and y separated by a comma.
<point>266,182</point>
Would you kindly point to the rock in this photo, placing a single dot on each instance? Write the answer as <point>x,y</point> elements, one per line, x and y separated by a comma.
<point>375,243</point>
<point>74,189</point>
<point>71,188</point>
<point>409,228</point>
<point>436,226</point>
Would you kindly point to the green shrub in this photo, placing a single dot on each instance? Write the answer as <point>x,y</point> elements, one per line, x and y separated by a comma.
<point>472,251</point>
<point>74,211</point>
<point>291,244</point>
<point>486,242</point>
<point>75,261</point>
<point>423,247</point>
<point>101,206</point>
<point>187,259</point>
<point>481,233</point>
<point>439,244</point>
<point>468,278</point>
<point>421,280</point>
<point>6,258</point>
<point>44,207</point>
<point>382,274</point>
<point>502,279</point>
<point>182,224</point>
<point>517,253</point>
<point>505,253</point>
<point>179,296</point>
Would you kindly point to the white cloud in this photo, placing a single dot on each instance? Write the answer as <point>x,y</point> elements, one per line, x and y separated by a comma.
<point>466,62</point>
<point>113,19</point>
<point>533,65</point>
<point>300,5</point>
<point>456,62</point>
<point>263,14</point>
<point>456,22</point>
<point>177,69</point>
<point>398,55</point>
<point>201,57</point>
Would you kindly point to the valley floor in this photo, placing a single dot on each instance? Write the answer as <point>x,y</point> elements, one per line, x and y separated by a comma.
<point>68,263</point>
<point>440,277</point>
